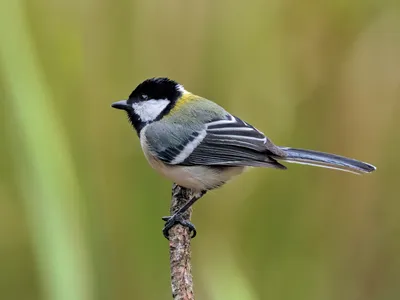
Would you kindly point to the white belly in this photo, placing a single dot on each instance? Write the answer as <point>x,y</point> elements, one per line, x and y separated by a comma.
<point>198,178</point>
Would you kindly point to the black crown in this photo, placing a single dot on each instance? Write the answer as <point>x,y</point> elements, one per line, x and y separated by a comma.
<point>156,88</point>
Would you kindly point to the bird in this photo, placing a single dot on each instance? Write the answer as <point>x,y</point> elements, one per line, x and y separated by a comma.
<point>199,145</point>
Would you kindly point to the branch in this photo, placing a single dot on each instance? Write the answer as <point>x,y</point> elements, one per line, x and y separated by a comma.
<point>179,247</point>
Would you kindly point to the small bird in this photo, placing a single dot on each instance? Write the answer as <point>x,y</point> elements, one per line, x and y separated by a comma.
<point>199,145</point>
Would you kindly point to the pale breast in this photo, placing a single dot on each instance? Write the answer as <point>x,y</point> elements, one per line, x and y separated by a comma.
<point>194,177</point>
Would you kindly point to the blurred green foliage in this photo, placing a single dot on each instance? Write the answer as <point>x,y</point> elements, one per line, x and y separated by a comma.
<point>80,208</point>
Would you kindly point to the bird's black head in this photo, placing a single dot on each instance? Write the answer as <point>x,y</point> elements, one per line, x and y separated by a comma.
<point>150,101</point>
<point>156,88</point>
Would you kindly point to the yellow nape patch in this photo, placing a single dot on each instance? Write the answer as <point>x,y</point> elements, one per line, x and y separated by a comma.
<point>185,98</point>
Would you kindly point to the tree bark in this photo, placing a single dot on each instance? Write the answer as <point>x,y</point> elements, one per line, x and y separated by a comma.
<point>179,247</point>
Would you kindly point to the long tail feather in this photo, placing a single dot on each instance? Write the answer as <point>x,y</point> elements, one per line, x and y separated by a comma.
<point>326,160</point>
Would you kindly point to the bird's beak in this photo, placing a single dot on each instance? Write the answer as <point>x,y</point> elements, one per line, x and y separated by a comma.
<point>121,105</point>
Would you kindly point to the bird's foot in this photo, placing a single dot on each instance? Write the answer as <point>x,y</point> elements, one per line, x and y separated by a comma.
<point>171,221</point>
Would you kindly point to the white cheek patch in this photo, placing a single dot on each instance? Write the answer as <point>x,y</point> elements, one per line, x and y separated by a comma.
<point>149,110</point>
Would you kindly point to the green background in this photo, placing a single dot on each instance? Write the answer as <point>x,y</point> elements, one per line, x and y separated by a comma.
<point>80,208</point>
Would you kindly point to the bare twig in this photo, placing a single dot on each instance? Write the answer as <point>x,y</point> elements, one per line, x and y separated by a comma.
<point>179,247</point>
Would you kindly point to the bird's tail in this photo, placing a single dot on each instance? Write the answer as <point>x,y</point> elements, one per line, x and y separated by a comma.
<point>325,160</point>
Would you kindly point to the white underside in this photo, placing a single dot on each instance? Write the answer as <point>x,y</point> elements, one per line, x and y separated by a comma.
<point>198,178</point>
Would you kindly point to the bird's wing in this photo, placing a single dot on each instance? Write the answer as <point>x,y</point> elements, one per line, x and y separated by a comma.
<point>223,142</point>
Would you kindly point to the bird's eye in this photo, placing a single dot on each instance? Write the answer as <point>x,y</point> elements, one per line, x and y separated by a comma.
<point>144,97</point>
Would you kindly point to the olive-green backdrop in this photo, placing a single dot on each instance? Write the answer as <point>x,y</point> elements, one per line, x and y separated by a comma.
<point>80,208</point>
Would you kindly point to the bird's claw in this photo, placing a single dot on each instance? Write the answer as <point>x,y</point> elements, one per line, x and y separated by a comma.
<point>171,221</point>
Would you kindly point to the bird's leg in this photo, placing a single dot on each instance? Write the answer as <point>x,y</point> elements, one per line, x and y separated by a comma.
<point>176,218</point>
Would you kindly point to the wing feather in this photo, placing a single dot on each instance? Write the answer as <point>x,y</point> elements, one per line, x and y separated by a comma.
<point>228,155</point>
<point>226,142</point>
